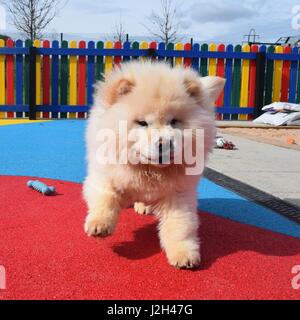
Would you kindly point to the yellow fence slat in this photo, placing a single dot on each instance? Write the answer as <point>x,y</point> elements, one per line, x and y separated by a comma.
<point>178,47</point>
<point>277,76</point>
<point>37,44</point>
<point>108,59</point>
<point>2,79</point>
<point>144,46</point>
<point>245,83</point>
<point>212,67</point>
<point>73,81</point>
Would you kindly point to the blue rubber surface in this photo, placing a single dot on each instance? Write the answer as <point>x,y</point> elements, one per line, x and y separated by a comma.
<point>49,150</point>
<point>56,150</point>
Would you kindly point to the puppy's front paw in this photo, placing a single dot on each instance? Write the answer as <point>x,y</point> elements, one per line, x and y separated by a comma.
<point>184,259</point>
<point>98,227</point>
<point>141,208</point>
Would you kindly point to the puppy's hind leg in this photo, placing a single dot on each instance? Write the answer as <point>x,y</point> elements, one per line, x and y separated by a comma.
<point>142,209</point>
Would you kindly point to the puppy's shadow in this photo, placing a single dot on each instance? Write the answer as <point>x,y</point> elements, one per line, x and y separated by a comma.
<point>219,237</point>
<point>145,244</point>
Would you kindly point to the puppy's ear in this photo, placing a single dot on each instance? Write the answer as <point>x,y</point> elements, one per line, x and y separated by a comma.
<point>193,88</point>
<point>113,91</point>
<point>212,87</point>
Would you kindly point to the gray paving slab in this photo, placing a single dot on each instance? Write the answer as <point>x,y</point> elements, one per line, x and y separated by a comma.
<point>269,168</point>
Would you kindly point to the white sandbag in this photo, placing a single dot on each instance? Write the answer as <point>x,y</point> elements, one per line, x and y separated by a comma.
<point>281,106</point>
<point>294,123</point>
<point>279,118</point>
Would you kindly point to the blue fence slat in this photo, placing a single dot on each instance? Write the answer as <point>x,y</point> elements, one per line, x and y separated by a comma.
<point>293,78</point>
<point>14,108</point>
<point>161,48</point>
<point>283,56</point>
<point>55,78</point>
<point>65,108</point>
<point>228,77</point>
<point>212,55</point>
<point>126,46</point>
<point>263,48</point>
<point>234,110</point>
<point>196,61</point>
<point>14,51</point>
<point>19,78</point>
<point>43,108</point>
<point>90,75</point>
<point>143,53</point>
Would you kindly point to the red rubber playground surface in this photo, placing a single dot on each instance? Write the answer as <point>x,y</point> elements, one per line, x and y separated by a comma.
<point>248,251</point>
<point>47,255</point>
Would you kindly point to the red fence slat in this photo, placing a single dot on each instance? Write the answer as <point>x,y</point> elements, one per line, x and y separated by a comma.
<point>153,45</point>
<point>187,62</point>
<point>118,59</point>
<point>220,73</point>
<point>10,78</point>
<point>285,80</point>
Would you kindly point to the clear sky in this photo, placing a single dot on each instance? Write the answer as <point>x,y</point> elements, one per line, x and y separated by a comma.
<point>213,20</point>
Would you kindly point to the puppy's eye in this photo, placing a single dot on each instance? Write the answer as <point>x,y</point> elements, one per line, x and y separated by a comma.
<point>174,122</point>
<point>142,123</point>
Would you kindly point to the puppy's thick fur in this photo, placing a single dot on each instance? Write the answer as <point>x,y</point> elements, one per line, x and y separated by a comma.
<point>154,96</point>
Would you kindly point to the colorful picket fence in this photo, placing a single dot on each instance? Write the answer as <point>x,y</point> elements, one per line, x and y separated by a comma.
<point>64,74</point>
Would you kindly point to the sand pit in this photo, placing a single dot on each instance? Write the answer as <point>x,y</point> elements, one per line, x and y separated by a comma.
<point>283,137</point>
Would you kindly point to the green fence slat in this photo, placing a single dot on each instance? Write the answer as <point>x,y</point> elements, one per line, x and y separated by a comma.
<point>204,61</point>
<point>100,63</point>
<point>269,78</point>
<point>170,60</point>
<point>135,45</point>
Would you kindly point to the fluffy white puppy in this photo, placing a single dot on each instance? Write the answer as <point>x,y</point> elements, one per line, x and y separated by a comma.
<point>142,113</point>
